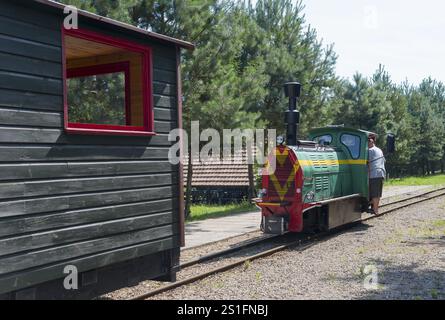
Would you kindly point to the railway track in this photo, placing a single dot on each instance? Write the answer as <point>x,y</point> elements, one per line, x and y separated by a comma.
<point>300,242</point>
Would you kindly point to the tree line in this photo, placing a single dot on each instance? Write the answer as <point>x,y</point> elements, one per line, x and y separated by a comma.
<point>245,52</point>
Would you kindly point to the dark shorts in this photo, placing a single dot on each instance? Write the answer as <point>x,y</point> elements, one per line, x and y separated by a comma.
<point>375,188</point>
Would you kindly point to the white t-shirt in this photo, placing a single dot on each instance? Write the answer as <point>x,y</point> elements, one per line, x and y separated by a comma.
<point>376,163</point>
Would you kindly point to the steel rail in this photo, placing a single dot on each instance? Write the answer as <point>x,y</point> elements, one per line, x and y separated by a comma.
<point>301,244</point>
<point>267,238</point>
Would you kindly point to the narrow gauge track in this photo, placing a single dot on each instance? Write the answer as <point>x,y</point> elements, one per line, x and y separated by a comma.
<point>302,243</point>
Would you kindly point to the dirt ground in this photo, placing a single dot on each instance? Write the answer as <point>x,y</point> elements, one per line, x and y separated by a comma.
<point>398,256</point>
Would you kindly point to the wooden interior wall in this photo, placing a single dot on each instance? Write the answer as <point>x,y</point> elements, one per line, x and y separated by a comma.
<point>135,59</point>
<point>76,48</point>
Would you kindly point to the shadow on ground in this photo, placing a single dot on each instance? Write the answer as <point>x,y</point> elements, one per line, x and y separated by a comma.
<point>408,282</point>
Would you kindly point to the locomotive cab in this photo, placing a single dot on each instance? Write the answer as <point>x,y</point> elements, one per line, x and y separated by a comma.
<point>351,147</point>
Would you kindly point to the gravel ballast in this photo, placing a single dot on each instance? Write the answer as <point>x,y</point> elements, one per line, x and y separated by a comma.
<point>403,251</point>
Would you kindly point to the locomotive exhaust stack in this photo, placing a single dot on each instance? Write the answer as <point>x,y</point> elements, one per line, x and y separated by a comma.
<point>292,91</point>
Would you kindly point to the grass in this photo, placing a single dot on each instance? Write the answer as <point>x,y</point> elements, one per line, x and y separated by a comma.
<point>434,229</point>
<point>433,180</point>
<point>434,294</point>
<point>202,211</point>
<point>259,276</point>
<point>439,223</point>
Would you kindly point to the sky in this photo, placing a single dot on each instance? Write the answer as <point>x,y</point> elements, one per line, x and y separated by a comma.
<point>407,37</point>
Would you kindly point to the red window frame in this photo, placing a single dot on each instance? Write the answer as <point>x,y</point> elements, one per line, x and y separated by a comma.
<point>146,79</point>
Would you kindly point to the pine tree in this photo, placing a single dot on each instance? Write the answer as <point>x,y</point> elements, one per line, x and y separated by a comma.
<point>291,52</point>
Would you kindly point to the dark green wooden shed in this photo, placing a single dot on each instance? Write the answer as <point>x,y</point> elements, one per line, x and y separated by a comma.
<point>85,179</point>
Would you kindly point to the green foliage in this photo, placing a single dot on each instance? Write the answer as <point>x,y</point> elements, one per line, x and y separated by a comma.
<point>218,90</point>
<point>245,52</point>
<point>414,114</point>
<point>433,180</point>
<point>202,211</point>
<point>426,104</point>
<point>97,99</point>
<point>115,9</point>
<point>291,51</point>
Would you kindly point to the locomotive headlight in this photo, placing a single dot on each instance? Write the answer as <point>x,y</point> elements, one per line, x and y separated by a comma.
<point>280,140</point>
<point>310,196</point>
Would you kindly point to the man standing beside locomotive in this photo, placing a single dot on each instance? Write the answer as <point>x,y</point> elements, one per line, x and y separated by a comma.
<point>377,173</point>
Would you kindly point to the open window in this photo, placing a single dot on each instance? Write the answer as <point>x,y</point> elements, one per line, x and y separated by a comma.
<point>352,143</point>
<point>107,85</point>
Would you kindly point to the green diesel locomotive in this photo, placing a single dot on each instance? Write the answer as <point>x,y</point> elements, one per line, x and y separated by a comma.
<point>317,184</point>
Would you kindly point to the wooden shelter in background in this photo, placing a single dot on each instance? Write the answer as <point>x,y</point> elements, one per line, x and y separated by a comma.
<point>220,181</point>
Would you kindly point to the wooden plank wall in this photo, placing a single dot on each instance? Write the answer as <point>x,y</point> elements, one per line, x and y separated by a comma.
<point>70,199</point>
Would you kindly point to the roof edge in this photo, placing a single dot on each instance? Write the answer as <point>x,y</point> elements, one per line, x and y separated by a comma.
<point>157,36</point>
<point>340,128</point>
